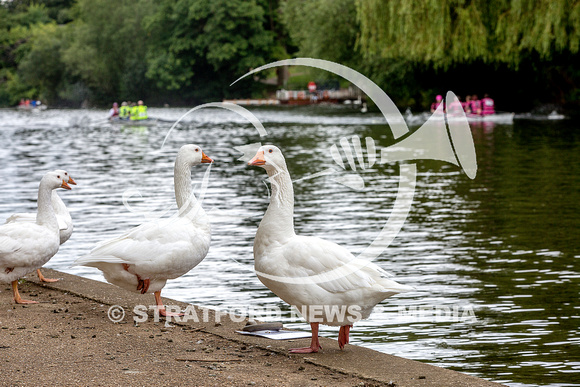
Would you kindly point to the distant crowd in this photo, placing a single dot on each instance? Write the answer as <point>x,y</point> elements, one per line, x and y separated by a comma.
<point>472,105</point>
<point>128,111</point>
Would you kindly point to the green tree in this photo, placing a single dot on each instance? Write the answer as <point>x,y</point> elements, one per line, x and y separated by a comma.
<point>7,63</point>
<point>199,47</point>
<point>41,69</point>
<point>106,44</point>
<point>17,26</point>
<point>53,7</point>
<point>323,29</point>
<point>445,32</point>
<point>520,48</point>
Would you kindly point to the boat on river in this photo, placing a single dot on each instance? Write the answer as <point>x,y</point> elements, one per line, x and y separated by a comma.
<point>352,95</point>
<point>499,118</point>
<point>30,108</point>
<point>145,122</point>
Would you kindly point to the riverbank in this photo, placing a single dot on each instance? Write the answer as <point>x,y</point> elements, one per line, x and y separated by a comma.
<point>69,339</point>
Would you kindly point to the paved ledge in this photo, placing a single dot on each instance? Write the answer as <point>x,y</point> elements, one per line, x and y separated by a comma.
<point>68,339</point>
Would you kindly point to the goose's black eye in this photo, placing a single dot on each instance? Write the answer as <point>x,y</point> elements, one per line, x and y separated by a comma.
<point>197,149</point>
<point>271,150</point>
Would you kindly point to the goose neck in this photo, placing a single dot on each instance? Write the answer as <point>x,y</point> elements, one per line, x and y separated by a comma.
<point>182,182</point>
<point>45,215</point>
<point>186,201</point>
<point>279,217</point>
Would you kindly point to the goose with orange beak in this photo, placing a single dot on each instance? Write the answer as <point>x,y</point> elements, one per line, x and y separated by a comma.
<point>144,258</point>
<point>323,280</point>
<point>65,224</point>
<point>26,246</point>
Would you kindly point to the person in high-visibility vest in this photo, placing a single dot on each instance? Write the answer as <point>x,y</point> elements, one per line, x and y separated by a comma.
<point>133,111</point>
<point>139,112</point>
<point>124,111</point>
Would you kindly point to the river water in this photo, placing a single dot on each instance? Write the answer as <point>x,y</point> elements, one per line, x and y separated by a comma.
<point>494,260</point>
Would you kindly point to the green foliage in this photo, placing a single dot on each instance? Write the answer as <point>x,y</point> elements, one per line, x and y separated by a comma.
<point>447,32</point>
<point>415,49</point>
<point>41,68</point>
<point>105,38</point>
<point>184,51</point>
<point>323,29</point>
<point>16,31</point>
<point>199,47</point>
<point>170,34</point>
<point>16,89</point>
<point>283,46</point>
<point>55,9</point>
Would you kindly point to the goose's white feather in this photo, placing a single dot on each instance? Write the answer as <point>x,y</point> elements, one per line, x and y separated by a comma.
<point>162,249</point>
<point>65,224</point>
<point>24,246</point>
<point>310,272</point>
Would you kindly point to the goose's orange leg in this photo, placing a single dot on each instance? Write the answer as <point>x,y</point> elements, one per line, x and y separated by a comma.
<point>17,297</point>
<point>314,344</point>
<point>162,311</point>
<point>42,278</point>
<point>343,335</point>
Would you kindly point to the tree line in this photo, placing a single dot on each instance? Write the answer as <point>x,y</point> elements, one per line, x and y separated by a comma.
<point>92,52</point>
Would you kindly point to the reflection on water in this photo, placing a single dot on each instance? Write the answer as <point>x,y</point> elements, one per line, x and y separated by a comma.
<point>503,246</point>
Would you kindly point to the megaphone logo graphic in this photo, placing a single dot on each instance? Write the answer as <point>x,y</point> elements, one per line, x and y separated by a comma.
<point>445,136</point>
<point>352,180</point>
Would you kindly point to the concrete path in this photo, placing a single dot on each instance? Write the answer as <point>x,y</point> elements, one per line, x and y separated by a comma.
<point>69,339</point>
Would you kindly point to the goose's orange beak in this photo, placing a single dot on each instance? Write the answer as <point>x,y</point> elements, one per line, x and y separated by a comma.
<point>65,185</point>
<point>205,158</point>
<point>258,159</point>
<point>71,181</point>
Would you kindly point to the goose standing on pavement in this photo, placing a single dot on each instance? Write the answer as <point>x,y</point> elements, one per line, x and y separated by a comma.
<point>63,217</point>
<point>323,280</point>
<point>145,257</point>
<point>24,246</point>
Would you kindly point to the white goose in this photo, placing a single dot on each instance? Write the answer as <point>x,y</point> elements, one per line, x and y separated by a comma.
<point>63,218</point>
<point>322,279</point>
<point>25,247</point>
<point>144,258</point>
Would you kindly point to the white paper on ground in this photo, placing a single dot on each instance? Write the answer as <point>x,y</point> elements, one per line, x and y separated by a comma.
<point>278,335</point>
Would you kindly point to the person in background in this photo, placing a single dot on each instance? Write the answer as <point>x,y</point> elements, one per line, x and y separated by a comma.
<point>124,111</point>
<point>114,111</point>
<point>475,105</point>
<point>487,106</point>
<point>139,112</point>
<point>455,108</point>
<point>435,105</point>
<point>467,104</point>
<point>133,111</point>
